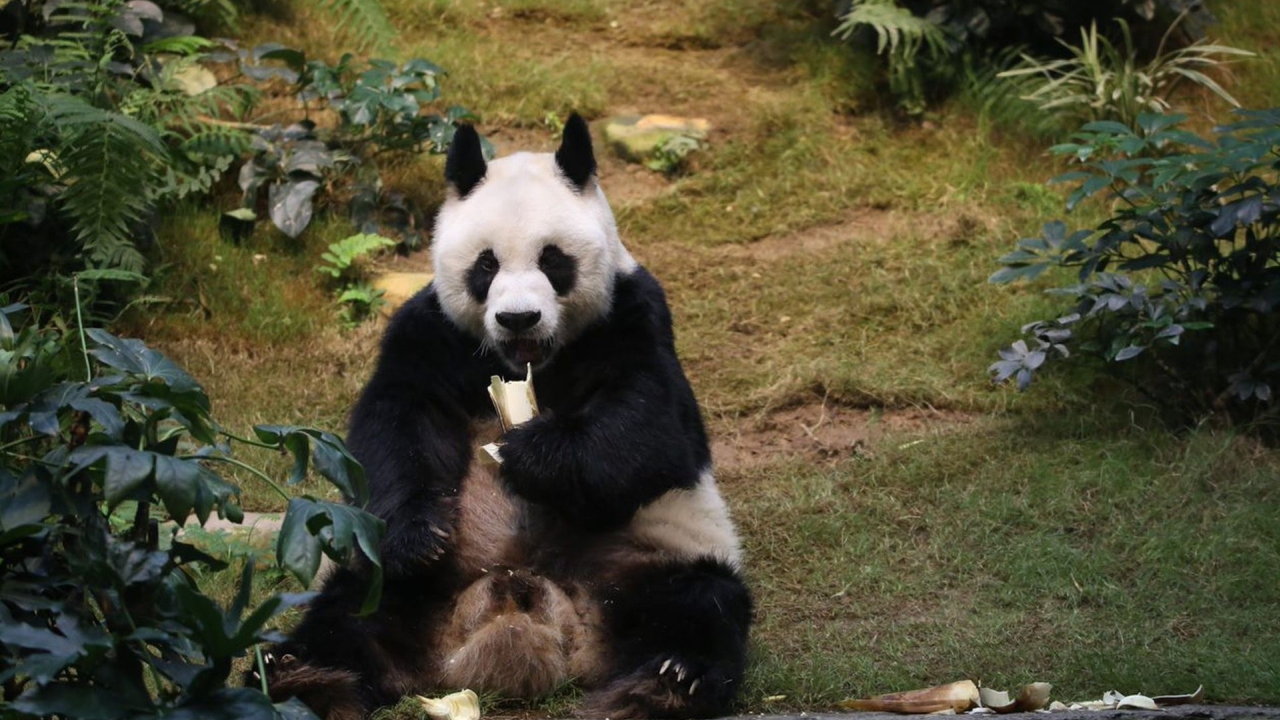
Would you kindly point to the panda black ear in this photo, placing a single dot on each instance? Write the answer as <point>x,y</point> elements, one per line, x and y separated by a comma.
<point>574,157</point>
<point>465,167</point>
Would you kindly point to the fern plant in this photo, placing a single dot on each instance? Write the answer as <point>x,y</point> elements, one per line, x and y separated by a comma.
<point>344,262</point>
<point>343,258</point>
<point>900,36</point>
<point>104,106</point>
<point>365,20</point>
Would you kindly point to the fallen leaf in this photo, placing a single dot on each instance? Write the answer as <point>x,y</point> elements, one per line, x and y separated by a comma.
<point>957,697</point>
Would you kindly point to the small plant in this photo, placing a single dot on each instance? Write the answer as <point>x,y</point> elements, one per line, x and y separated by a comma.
<point>106,448</point>
<point>344,263</point>
<point>900,36</point>
<point>1178,291</point>
<point>342,260</point>
<point>672,155</point>
<point>1103,81</point>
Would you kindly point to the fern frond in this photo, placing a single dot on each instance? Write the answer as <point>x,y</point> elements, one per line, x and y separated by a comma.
<point>898,30</point>
<point>216,141</point>
<point>110,168</point>
<point>366,20</point>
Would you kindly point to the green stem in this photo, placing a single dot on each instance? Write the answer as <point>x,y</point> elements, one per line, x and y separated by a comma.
<point>244,466</point>
<point>247,441</point>
<point>84,344</point>
<point>21,441</point>
<point>262,668</point>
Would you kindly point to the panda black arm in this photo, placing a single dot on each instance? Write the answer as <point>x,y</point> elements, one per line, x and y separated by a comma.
<point>411,431</point>
<point>633,434</point>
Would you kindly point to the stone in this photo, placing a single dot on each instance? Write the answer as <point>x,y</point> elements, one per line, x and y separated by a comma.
<point>637,138</point>
<point>398,287</point>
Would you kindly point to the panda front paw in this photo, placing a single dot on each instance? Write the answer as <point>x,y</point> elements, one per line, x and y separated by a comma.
<point>528,456</point>
<point>413,546</point>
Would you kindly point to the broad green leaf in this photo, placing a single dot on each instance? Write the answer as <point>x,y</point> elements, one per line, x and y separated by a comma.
<point>24,500</point>
<point>312,526</point>
<point>1129,352</point>
<point>135,564</point>
<point>290,207</point>
<point>332,458</point>
<point>72,700</point>
<point>134,357</point>
<point>297,549</point>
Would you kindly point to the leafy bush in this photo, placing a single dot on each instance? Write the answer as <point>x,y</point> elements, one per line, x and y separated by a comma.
<point>103,442</point>
<point>110,112</point>
<point>380,109</point>
<point>931,46</point>
<point>98,125</point>
<point>1178,290</point>
<point>1105,81</point>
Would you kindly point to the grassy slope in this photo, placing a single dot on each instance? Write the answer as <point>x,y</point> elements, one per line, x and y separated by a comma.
<point>1054,538</point>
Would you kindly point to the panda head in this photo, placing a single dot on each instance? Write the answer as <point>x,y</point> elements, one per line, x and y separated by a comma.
<point>526,249</point>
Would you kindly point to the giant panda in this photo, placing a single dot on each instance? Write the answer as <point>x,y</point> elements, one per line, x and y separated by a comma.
<point>600,550</point>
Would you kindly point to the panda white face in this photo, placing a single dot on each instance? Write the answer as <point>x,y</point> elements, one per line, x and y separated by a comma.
<point>526,248</point>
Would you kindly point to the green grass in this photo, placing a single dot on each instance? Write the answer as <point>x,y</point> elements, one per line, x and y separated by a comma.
<point>1254,27</point>
<point>822,248</point>
<point>1093,556</point>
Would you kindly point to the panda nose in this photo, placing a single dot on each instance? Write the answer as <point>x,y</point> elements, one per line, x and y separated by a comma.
<point>519,321</point>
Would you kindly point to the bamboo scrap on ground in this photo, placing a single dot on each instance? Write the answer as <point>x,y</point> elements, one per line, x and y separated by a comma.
<point>965,696</point>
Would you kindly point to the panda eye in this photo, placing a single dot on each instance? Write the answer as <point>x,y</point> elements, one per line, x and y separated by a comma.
<point>481,275</point>
<point>560,268</point>
<point>487,262</point>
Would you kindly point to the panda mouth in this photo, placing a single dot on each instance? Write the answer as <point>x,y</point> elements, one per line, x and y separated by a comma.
<point>525,351</point>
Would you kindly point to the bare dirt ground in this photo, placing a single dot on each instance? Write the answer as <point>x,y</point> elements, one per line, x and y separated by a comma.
<point>825,432</point>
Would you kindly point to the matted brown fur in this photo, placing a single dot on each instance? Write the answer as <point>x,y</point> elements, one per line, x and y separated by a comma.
<point>512,630</point>
<point>330,693</point>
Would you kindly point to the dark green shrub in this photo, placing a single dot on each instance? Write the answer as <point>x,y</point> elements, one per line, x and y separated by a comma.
<point>109,113</point>
<point>100,612</point>
<point>931,46</point>
<point>381,108</point>
<point>1178,290</point>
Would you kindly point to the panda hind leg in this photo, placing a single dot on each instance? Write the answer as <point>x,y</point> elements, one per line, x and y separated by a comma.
<point>679,633</point>
<point>343,665</point>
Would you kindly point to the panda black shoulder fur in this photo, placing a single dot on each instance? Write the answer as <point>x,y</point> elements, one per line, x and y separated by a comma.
<point>600,550</point>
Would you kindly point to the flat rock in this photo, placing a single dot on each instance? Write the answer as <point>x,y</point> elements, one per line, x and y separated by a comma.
<point>398,287</point>
<point>638,137</point>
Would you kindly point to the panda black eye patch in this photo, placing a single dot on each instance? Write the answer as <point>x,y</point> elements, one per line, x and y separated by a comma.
<point>560,269</point>
<point>481,275</point>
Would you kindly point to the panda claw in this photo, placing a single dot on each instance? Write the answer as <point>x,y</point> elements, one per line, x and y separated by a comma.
<point>256,677</point>
<point>680,674</point>
<point>694,687</point>
<point>439,532</point>
<point>665,665</point>
<point>268,658</point>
